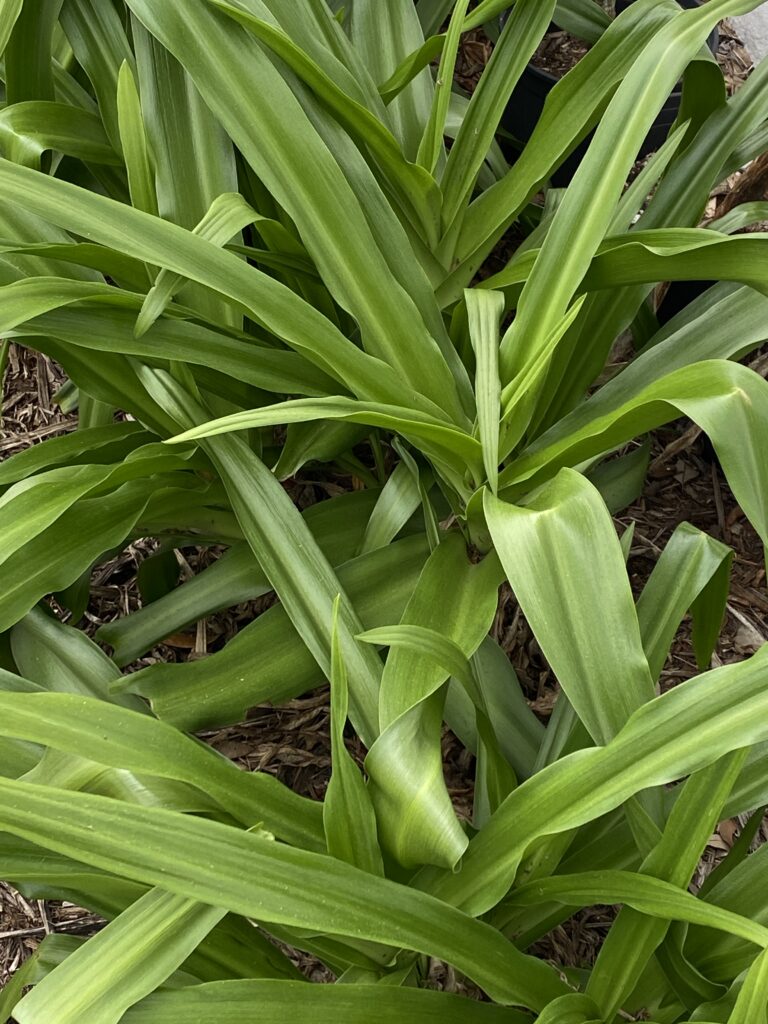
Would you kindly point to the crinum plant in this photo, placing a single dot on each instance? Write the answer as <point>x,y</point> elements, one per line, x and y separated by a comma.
<point>225,217</point>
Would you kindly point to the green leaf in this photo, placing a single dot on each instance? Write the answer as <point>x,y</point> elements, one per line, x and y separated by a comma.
<point>484,315</point>
<point>431,147</point>
<point>452,444</point>
<point>129,740</point>
<point>333,225</point>
<point>9,13</point>
<point>203,860</point>
<point>231,1002</point>
<point>236,577</point>
<point>752,1004</point>
<point>417,822</point>
<point>138,163</point>
<point>149,238</point>
<point>399,499</point>
<point>648,895</point>
<point>680,732</point>
<point>692,572</point>
<point>267,660</point>
<point>28,31</point>
<point>633,938</point>
<point>122,964</point>
<point>725,399</point>
<point>348,814</point>
<point>27,130</point>
<point>415,190</point>
<point>227,215</point>
<point>527,23</point>
<point>550,548</point>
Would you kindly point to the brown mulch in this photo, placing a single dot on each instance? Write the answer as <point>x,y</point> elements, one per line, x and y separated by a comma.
<point>558,52</point>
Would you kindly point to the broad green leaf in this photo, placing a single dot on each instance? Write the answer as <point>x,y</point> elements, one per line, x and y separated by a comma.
<point>484,316</point>
<point>149,238</point>
<point>399,499</point>
<point>234,578</point>
<point>549,549</point>
<point>752,1004</point>
<point>432,146</point>
<point>122,964</point>
<point>348,814</point>
<point>571,1009</point>
<point>227,215</point>
<point>231,1002</point>
<point>416,190</point>
<point>267,661</point>
<point>725,399</point>
<point>680,732</point>
<point>384,35</point>
<point>274,529</point>
<point>633,937</point>
<point>451,443</point>
<point>62,659</point>
<point>416,818</point>
<point>133,138</point>
<point>98,445</point>
<point>27,130</point>
<point>54,559</point>
<point>9,12</point>
<point>332,223</point>
<point>126,739</point>
<point>494,779</point>
<point>522,33</point>
<point>646,894</point>
<point>284,885</point>
<point>97,37</point>
<point>28,30</point>
<point>692,572</point>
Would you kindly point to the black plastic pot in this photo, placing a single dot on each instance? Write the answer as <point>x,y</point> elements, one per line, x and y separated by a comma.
<point>679,295</point>
<point>527,102</point>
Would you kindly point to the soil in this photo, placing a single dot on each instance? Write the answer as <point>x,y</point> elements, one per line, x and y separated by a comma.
<point>558,52</point>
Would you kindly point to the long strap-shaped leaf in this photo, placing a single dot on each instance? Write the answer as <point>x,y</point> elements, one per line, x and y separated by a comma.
<point>275,530</point>
<point>729,401</point>
<point>9,12</point>
<point>577,102</point>
<point>417,821</point>
<point>283,885</point>
<point>521,35</point>
<point>415,188</point>
<point>452,445</point>
<point>126,739</point>
<point>155,240</point>
<point>752,1002</point>
<point>232,1002</point>
<point>549,549</point>
<point>134,954</point>
<point>348,814</point>
<point>692,572</point>
<point>685,730</point>
<point>633,937</point>
<point>574,236</point>
<point>484,315</point>
<point>238,81</point>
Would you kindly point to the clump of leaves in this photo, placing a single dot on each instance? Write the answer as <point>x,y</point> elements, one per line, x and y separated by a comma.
<point>222,217</point>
